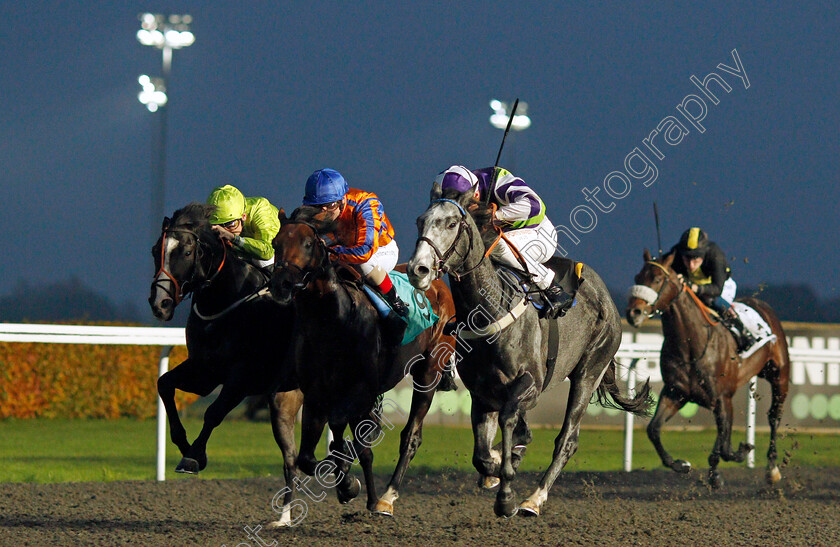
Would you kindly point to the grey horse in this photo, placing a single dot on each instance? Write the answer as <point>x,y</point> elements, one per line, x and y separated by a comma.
<point>506,366</point>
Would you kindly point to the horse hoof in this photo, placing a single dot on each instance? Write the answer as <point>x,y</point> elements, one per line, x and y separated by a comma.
<point>715,480</point>
<point>505,509</point>
<point>384,509</point>
<point>529,509</point>
<point>282,523</point>
<point>350,493</point>
<point>773,476</point>
<point>681,466</point>
<point>488,483</point>
<point>188,465</point>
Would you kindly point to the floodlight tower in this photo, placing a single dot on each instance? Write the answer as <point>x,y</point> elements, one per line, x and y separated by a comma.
<point>166,33</point>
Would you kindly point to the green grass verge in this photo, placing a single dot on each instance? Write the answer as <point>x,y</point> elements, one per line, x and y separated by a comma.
<point>108,450</point>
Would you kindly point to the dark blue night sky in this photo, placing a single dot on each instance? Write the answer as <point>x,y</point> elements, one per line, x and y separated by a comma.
<point>391,95</point>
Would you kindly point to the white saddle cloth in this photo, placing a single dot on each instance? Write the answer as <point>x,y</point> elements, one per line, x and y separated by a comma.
<point>757,326</point>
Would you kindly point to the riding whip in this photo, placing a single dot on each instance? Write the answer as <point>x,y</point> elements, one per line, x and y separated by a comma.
<point>499,155</point>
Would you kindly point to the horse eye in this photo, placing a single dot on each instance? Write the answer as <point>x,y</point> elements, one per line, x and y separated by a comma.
<point>188,253</point>
<point>308,244</point>
<point>452,225</point>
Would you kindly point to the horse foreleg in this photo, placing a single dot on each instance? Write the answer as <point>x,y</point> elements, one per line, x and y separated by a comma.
<point>284,408</point>
<point>410,440</point>
<point>508,418</point>
<point>726,452</point>
<point>779,387</point>
<point>347,487</point>
<point>521,439</point>
<point>565,445</point>
<point>486,462</point>
<point>670,402</point>
<point>312,427</point>
<point>231,395</point>
<point>362,428</point>
<point>187,377</point>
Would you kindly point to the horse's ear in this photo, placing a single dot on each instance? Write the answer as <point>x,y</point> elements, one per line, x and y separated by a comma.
<point>465,199</point>
<point>281,216</point>
<point>436,193</point>
<point>668,260</point>
<point>647,256</point>
<point>165,225</point>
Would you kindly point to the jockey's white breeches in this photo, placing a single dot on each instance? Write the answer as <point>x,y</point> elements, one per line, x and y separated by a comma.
<point>385,257</point>
<point>536,245</point>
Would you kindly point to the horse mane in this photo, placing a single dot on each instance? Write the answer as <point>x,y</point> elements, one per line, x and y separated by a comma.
<point>306,213</point>
<point>482,215</point>
<point>196,217</point>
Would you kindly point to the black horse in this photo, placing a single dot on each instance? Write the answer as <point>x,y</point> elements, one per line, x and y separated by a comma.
<point>237,335</point>
<point>344,361</point>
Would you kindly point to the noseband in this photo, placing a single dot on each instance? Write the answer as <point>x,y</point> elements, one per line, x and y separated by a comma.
<point>648,294</point>
<point>178,291</point>
<point>441,267</point>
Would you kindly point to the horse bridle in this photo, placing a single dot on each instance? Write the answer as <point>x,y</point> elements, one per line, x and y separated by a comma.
<point>441,267</point>
<point>306,271</point>
<point>180,291</point>
<point>639,292</point>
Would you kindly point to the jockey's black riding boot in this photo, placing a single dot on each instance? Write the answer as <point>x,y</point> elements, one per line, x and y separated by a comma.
<point>395,302</point>
<point>394,324</point>
<point>558,300</point>
<point>746,339</point>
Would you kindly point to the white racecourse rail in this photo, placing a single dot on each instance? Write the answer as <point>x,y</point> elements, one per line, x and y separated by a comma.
<point>168,337</point>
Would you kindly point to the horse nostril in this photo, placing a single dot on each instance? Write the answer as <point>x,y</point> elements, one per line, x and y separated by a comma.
<point>421,271</point>
<point>166,303</point>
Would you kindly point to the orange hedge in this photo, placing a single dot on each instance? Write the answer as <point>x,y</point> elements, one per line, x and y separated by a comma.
<point>82,381</point>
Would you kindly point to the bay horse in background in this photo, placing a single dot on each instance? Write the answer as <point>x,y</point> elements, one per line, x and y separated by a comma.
<point>700,364</point>
<point>237,336</point>
<point>344,363</point>
<point>509,364</point>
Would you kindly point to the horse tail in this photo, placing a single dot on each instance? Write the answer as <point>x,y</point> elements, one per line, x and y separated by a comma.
<point>640,405</point>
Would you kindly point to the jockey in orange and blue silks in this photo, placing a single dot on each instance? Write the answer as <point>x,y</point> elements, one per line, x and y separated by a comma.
<point>363,236</point>
<point>521,215</point>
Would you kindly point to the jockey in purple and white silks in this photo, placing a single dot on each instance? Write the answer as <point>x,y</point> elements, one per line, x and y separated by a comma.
<point>521,216</point>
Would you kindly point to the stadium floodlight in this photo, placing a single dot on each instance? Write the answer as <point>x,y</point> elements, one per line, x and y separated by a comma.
<point>153,94</point>
<point>162,31</point>
<point>166,33</point>
<point>501,115</point>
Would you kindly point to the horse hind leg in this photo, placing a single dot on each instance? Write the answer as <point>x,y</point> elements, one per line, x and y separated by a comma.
<point>670,402</point>
<point>410,440</point>
<point>779,386</point>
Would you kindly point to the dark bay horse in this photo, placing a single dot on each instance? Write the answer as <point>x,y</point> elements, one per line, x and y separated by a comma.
<point>236,337</point>
<point>700,364</point>
<point>343,362</point>
<point>506,366</point>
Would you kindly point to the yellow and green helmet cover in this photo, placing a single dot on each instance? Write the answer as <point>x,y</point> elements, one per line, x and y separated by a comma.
<point>229,202</point>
